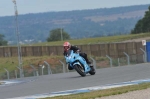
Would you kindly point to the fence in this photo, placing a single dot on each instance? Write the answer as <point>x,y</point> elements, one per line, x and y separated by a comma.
<point>47,69</point>
<point>111,49</point>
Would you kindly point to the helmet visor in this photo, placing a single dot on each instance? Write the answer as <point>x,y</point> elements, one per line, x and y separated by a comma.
<point>66,48</point>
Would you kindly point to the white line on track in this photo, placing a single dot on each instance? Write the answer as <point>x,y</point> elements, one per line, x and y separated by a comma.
<point>83,90</point>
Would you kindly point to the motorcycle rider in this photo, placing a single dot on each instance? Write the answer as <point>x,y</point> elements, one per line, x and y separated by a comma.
<point>68,46</point>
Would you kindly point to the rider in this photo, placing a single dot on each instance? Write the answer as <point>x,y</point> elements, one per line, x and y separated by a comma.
<point>68,46</point>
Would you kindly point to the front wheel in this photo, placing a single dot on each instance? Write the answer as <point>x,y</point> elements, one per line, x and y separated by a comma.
<point>80,70</point>
<point>92,71</point>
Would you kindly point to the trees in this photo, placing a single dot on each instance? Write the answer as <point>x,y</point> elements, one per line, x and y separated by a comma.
<point>2,41</point>
<point>57,35</point>
<point>143,25</point>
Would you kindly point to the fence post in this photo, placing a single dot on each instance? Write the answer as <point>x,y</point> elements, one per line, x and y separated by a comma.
<point>37,73</point>
<point>16,74</point>
<point>145,59</point>
<point>49,68</point>
<point>94,62</point>
<point>110,60</point>
<point>34,70</point>
<point>20,71</point>
<point>128,58</point>
<point>118,62</point>
<point>7,73</point>
<point>64,69</point>
<point>42,67</point>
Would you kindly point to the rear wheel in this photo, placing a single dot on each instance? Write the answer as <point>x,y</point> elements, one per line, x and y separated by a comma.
<point>92,71</point>
<point>80,70</point>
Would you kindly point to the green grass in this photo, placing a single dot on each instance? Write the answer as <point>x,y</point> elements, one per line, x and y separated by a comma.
<point>103,93</point>
<point>97,40</point>
<point>10,63</point>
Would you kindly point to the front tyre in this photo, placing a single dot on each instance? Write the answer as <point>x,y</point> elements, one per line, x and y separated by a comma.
<point>80,70</point>
<point>92,71</point>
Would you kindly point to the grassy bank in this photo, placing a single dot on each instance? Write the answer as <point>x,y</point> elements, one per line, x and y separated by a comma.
<point>10,63</point>
<point>103,93</point>
<point>96,40</point>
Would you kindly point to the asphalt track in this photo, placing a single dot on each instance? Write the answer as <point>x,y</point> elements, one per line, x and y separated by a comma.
<point>69,81</point>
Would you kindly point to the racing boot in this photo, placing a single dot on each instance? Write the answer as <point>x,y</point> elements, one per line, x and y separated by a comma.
<point>89,63</point>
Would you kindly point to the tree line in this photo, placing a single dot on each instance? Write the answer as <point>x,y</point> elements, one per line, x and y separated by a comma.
<point>58,35</point>
<point>37,26</point>
<point>143,25</point>
<point>3,42</point>
<point>86,29</point>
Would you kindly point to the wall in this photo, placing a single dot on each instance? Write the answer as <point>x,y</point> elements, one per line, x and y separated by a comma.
<point>114,50</point>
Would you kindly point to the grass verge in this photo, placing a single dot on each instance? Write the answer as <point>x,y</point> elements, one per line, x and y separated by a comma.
<point>96,40</point>
<point>10,63</point>
<point>103,93</point>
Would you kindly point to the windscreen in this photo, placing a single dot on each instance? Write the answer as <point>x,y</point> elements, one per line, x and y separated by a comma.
<point>69,52</point>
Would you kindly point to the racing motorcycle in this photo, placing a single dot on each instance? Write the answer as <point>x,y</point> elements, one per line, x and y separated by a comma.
<point>79,63</point>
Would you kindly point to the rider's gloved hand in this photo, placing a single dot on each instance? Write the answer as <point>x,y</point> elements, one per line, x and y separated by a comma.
<point>78,51</point>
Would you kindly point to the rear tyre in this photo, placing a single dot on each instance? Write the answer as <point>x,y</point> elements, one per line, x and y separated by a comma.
<point>80,70</point>
<point>92,71</point>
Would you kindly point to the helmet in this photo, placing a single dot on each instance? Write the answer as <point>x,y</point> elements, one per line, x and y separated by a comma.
<point>67,46</point>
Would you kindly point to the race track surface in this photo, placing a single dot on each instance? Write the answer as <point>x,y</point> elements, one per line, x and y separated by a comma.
<point>72,80</point>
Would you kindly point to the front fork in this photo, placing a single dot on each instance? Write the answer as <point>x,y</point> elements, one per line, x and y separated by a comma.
<point>86,67</point>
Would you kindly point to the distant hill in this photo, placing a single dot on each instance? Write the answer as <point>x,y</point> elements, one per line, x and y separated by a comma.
<point>78,23</point>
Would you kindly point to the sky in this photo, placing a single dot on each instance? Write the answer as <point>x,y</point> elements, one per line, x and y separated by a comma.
<point>39,6</point>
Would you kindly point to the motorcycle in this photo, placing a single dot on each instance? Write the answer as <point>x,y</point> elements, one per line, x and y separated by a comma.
<point>79,63</point>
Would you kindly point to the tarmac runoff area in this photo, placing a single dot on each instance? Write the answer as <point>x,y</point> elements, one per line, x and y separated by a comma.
<point>76,91</point>
<point>5,83</point>
<point>13,82</point>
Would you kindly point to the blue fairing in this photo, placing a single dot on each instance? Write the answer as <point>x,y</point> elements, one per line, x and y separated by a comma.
<point>75,59</point>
